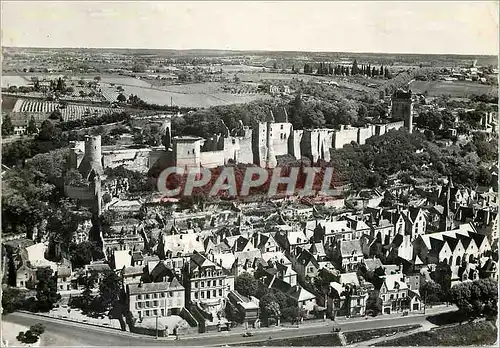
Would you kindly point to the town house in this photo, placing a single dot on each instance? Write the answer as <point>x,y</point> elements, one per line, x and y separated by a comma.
<point>163,299</point>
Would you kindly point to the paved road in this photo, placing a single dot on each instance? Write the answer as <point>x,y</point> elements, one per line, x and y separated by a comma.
<point>97,336</point>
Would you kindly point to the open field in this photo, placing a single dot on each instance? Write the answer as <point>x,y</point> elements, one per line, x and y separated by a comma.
<point>471,334</point>
<point>14,80</point>
<point>452,88</point>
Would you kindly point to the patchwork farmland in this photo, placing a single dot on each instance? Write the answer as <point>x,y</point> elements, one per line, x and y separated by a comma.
<point>69,112</point>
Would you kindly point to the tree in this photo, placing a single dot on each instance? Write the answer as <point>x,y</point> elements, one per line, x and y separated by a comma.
<point>46,289</point>
<point>31,129</point>
<point>269,307</point>
<point>55,115</point>
<point>246,284</point>
<point>442,276</point>
<point>87,298</point>
<point>12,299</point>
<point>7,126</point>
<point>431,292</point>
<point>476,298</point>
<point>109,290</point>
<point>83,253</point>
<point>355,69</point>
<point>374,303</point>
<point>121,98</point>
<point>37,329</point>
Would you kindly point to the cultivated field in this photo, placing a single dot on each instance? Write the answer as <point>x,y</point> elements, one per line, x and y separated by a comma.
<point>70,112</point>
<point>452,88</point>
<point>188,95</point>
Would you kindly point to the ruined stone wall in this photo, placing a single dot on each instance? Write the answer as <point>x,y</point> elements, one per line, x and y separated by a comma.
<point>132,159</point>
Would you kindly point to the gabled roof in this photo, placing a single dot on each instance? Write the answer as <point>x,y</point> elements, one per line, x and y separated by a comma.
<point>394,282</point>
<point>241,243</point>
<point>452,242</point>
<point>306,258</point>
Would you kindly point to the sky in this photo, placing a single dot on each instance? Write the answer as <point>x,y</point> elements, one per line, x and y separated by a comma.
<point>450,27</point>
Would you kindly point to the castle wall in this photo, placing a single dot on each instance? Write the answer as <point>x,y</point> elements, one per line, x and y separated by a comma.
<point>187,152</point>
<point>280,132</point>
<point>259,148</point>
<point>239,148</point>
<point>345,136</point>
<point>132,159</point>
<point>394,125</point>
<point>294,143</point>
<point>212,159</point>
<point>76,154</point>
<point>246,153</point>
<point>365,133</point>
<point>325,142</point>
<point>309,144</point>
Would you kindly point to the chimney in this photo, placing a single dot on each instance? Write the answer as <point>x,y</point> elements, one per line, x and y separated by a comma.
<point>140,283</point>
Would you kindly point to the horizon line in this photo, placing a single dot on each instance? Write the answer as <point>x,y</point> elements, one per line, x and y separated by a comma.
<point>246,50</point>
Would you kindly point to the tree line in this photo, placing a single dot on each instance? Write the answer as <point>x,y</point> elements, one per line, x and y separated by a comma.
<point>323,69</point>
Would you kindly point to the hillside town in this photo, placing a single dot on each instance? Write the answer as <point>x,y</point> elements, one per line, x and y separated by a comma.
<point>270,198</point>
<point>164,269</point>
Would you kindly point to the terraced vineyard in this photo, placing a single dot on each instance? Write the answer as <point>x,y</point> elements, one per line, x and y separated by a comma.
<point>70,112</point>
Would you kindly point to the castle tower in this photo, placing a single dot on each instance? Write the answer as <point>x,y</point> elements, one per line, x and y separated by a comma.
<point>92,159</point>
<point>166,132</point>
<point>186,151</point>
<point>402,108</point>
<point>270,157</point>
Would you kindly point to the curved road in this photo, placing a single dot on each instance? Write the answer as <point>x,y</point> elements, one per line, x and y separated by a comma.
<point>83,334</point>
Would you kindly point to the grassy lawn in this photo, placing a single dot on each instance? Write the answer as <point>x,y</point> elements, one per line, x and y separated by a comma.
<point>327,340</point>
<point>365,335</point>
<point>471,334</point>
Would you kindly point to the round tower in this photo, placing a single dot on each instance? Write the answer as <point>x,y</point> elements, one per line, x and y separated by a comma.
<point>92,158</point>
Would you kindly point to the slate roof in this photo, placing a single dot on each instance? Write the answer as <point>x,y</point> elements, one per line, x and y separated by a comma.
<point>134,289</point>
